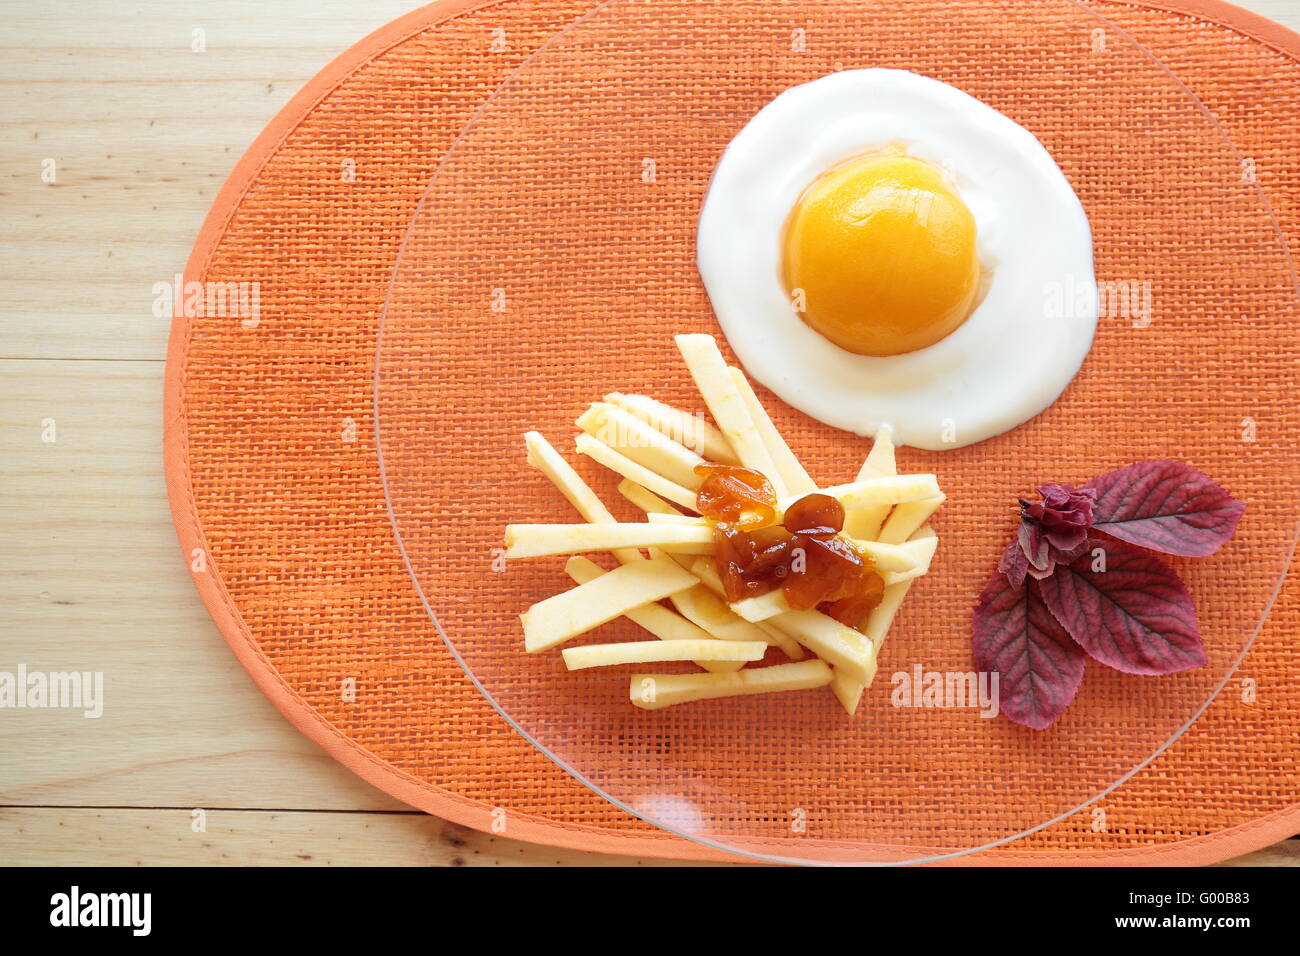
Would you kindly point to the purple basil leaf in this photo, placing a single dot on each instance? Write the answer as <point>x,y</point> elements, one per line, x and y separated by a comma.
<point>1039,668</point>
<point>1033,544</point>
<point>1014,564</point>
<point>1136,616</point>
<point>1165,506</point>
<point>1066,557</point>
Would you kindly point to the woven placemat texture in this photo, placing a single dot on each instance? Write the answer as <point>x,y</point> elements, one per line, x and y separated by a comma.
<point>282,458</point>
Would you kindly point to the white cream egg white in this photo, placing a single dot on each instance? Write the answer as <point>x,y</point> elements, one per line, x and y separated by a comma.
<point>1019,348</point>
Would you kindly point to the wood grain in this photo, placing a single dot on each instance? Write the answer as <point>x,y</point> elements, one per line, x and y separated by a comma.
<point>88,836</point>
<point>142,130</point>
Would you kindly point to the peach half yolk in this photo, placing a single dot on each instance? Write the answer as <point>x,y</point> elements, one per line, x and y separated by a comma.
<point>880,255</point>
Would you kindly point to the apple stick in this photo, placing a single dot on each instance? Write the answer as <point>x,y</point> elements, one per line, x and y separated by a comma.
<point>693,431</point>
<point>620,463</point>
<point>876,626</point>
<point>865,522</point>
<point>541,540</point>
<point>634,439</point>
<point>881,460</point>
<point>847,691</point>
<point>655,691</point>
<point>887,557</point>
<point>543,456</point>
<point>789,647</point>
<point>655,652</point>
<point>727,405</point>
<point>885,490</point>
<point>797,481</point>
<point>764,607</point>
<point>846,688</point>
<point>833,642</point>
<point>882,615</point>
<point>664,623</point>
<point>647,501</point>
<point>660,621</point>
<point>677,518</point>
<point>706,569</point>
<point>923,550</point>
<point>907,517</point>
<point>702,607</point>
<point>587,606</point>
<point>705,608</point>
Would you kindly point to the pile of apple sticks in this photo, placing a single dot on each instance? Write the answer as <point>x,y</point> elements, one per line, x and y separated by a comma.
<point>669,556</point>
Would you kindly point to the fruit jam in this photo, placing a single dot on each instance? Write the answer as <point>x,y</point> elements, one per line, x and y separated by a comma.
<point>804,554</point>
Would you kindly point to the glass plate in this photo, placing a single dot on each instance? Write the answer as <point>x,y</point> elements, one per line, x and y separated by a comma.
<point>551,261</point>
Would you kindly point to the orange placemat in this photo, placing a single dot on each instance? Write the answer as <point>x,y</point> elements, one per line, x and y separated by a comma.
<point>271,460</point>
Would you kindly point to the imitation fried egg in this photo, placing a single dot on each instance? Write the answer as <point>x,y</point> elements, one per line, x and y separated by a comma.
<point>881,248</point>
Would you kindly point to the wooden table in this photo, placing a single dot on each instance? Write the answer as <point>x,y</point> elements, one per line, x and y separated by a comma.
<point>141,131</point>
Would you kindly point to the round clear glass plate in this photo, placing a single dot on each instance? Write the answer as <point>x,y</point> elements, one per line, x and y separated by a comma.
<point>551,261</point>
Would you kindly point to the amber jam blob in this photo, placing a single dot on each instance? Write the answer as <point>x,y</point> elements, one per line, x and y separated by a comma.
<point>737,496</point>
<point>805,555</point>
<point>817,516</point>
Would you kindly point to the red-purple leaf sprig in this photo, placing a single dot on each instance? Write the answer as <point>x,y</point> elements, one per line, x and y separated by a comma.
<point>1127,609</point>
<point>1039,666</point>
<point>1165,506</point>
<point>1052,531</point>
<point>1072,583</point>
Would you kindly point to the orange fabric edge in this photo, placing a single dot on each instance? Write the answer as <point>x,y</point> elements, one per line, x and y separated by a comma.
<point>460,810</point>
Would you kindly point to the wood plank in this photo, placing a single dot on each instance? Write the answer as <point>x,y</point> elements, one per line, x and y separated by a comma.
<point>92,578</point>
<point>143,131</point>
<point>1286,853</point>
<point>136,837</point>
